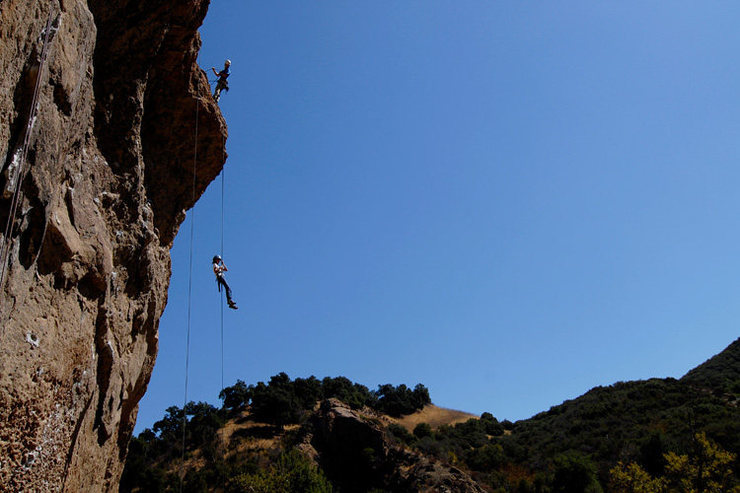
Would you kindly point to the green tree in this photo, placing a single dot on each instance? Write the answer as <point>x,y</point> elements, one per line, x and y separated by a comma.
<point>401,433</point>
<point>631,478</point>
<point>423,430</point>
<point>203,424</point>
<point>307,391</point>
<point>574,473</point>
<point>236,397</point>
<point>486,458</point>
<point>292,472</point>
<point>275,403</point>
<point>400,400</point>
<point>353,394</point>
<point>493,427</point>
<point>707,470</point>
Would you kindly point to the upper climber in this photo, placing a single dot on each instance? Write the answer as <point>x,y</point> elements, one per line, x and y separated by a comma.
<point>222,83</point>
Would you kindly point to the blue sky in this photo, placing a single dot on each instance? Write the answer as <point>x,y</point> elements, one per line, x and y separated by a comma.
<point>509,202</point>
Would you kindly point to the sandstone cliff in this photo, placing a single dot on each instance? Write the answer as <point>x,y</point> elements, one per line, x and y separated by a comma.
<point>109,177</point>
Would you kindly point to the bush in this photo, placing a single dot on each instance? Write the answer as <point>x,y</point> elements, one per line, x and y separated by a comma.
<point>575,473</point>
<point>493,427</point>
<point>291,472</point>
<point>486,458</point>
<point>423,430</point>
<point>401,433</point>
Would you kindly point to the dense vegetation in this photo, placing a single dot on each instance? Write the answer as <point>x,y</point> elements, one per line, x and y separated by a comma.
<point>638,423</point>
<point>720,375</point>
<point>573,446</point>
<point>279,402</point>
<point>283,401</point>
<point>653,436</point>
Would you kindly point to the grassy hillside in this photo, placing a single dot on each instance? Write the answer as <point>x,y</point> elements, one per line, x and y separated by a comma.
<point>433,415</point>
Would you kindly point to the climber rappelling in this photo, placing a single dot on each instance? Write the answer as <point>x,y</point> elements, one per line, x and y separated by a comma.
<point>222,84</point>
<point>219,268</point>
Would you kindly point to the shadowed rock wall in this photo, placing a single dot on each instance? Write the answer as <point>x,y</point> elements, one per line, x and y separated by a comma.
<point>109,177</point>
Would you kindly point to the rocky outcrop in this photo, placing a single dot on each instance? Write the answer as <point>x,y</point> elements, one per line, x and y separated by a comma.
<point>355,452</point>
<point>109,176</point>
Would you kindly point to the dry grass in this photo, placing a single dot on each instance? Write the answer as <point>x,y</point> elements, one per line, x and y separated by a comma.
<point>435,416</point>
<point>242,434</point>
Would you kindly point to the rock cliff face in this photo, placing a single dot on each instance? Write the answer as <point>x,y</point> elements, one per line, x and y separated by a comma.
<point>109,176</point>
<point>354,450</point>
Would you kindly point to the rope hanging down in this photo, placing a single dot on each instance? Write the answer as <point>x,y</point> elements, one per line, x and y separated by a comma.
<point>223,173</point>
<point>190,290</point>
<point>221,304</point>
<point>15,179</point>
<point>190,293</point>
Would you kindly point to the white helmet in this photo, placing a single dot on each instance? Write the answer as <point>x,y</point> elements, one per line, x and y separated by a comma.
<point>227,62</point>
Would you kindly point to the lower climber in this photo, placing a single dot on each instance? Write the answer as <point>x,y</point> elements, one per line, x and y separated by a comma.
<point>219,268</point>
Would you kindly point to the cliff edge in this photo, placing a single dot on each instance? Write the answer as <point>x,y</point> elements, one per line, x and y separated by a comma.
<point>109,177</point>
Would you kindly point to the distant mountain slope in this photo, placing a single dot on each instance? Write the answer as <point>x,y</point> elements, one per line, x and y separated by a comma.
<point>617,422</point>
<point>720,374</point>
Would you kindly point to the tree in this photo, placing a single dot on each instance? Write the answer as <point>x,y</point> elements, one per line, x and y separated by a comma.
<point>353,394</point>
<point>708,469</point>
<point>423,430</point>
<point>652,454</point>
<point>275,403</point>
<point>574,473</point>
<point>401,433</point>
<point>631,478</point>
<point>486,458</point>
<point>400,400</point>
<point>493,427</point>
<point>307,391</point>
<point>203,424</point>
<point>291,472</point>
<point>236,397</point>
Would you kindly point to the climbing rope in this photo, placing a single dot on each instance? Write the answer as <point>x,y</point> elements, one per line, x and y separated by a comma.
<point>223,173</point>
<point>19,173</point>
<point>190,291</point>
<point>190,295</point>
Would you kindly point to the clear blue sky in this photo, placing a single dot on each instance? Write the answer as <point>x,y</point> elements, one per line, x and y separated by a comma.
<point>509,202</point>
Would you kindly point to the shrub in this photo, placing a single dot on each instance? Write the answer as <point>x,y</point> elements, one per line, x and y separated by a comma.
<point>423,430</point>
<point>401,433</point>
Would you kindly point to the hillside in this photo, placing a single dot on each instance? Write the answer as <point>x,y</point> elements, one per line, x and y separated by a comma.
<point>360,447</point>
<point>720,374</point>
<point>434,416</point>
<point>636,421</point>
<point>321,442</point>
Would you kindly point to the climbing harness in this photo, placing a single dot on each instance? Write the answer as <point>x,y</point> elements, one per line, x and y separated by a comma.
<point>15,179</point>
